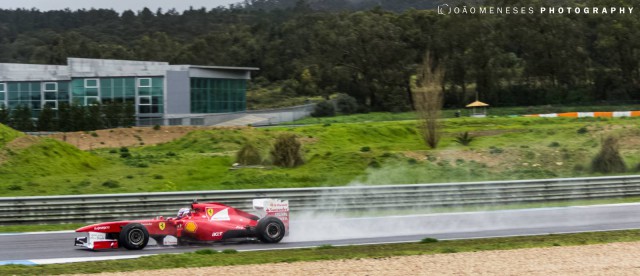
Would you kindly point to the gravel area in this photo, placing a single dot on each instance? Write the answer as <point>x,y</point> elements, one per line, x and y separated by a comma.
<point>603,259</point>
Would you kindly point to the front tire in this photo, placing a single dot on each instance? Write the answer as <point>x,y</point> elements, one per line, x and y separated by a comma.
<point>270,230</point>
<point>134,236</point>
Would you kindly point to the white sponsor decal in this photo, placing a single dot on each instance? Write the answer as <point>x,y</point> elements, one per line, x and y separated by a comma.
<point>222,215</point>
<point>216,234</point>
<point>101,227</point>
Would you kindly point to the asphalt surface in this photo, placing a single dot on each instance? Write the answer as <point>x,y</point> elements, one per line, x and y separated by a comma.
<point>315,231</point>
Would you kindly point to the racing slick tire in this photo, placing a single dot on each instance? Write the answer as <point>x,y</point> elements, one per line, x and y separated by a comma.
<point>134,236</point>
<point>270,230</point>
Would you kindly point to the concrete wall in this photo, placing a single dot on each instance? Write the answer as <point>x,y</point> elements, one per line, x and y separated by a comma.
<point>177,95</point>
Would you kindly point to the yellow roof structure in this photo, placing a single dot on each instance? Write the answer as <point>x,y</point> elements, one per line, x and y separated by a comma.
<point>477,104</point>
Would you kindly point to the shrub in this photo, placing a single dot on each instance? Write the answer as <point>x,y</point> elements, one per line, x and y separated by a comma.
<point>158,176</point>
<point>94,134</point>
<point>14,187</point>
<point>286,151</point>
<point>412,161</point>
<point>171,153</point>
<point>429,240</point>
<point>324,109</point>
<point>374,164</point>
<point>125,154</point>
<point>365,149</point>
<point>156,127</point>
<point>346,104</point>
<point>608,159</point>
<point>206,252</point>
<point>229,251</point>
<point>582,130</point>
<point>464,138</point>
<point>113,151</point>
<point>495,150</point>
<point>248,155</point>
<point>554,144</point>
<point>111,184</point>
<point>124,149</point>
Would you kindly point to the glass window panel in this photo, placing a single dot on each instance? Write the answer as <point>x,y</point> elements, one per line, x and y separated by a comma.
<point>13,96</point>
<point>13,87</point>
<point>93,92</point>
<point>2,97</point>
<point>51,86</point>
<point>3,87</point>
<point>91,83</point>
<point>52,104</point>
<point>157,82</point>
<point>144,109</point>
<point>144,100</point>
<point>50,95</point>
<point>144,82</point>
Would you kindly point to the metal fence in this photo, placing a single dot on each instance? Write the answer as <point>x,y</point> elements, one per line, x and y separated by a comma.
<point>94,208</point>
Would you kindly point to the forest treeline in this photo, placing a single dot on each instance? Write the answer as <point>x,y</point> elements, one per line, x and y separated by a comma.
<point>309,50</point>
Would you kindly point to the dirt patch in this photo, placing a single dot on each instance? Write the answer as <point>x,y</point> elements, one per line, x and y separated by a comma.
<point>602,259</point>
<point>17,144</point>
<point>127,137</point>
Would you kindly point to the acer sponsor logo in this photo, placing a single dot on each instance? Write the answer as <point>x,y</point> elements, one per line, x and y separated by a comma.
<point>102,228</point>
<point>216,234</point>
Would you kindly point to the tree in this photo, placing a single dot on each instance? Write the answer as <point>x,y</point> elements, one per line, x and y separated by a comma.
<point>21,118</point>
<point>248,155</point>
<point>286,151</point>
<point>64,117</point>
<point>46,120</point>
<point>5,115</point>
<point>427,99</point>
<point>128,115</point>
<point>608,159</point>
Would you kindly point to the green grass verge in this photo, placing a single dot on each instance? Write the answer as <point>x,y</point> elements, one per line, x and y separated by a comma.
<point>39,227</point>
<point>336,154</point>
<point>211,257</point>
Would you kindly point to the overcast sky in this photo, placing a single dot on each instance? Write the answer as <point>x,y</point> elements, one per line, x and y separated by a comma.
<point>118,5</point>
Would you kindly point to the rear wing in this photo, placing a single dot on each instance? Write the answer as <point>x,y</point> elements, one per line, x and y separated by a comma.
<point>268,207</point>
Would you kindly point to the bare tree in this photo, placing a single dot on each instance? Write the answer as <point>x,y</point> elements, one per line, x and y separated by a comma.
<point>428,99</point>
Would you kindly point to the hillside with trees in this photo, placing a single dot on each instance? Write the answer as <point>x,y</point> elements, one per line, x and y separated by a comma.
<point>305,49</point>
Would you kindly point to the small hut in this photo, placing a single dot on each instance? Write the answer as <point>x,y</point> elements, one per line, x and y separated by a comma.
<point>478,109</point>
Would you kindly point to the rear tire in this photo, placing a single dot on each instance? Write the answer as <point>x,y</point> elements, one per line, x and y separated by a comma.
<point>134,236</point>
<point>270,230</point>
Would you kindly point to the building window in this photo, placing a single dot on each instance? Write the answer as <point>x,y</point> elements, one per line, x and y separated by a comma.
<point>91,83</point>
<point>144,100</point>
<point>91,101</point>
<point>51,104</point>
<point>50,87</point>
<point>144,82</point>
<point>3,92</point>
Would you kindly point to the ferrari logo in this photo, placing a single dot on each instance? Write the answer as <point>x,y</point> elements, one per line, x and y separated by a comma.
<point>210,212</point>
<point>161,225</point>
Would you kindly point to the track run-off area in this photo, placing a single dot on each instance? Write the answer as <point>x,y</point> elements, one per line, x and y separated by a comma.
<point>309,230</point>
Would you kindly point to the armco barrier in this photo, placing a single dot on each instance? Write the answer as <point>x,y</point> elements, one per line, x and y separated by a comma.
<point>94,208</point>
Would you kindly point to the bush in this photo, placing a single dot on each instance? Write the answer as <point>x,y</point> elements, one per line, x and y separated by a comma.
<point>429,240</point>
<point>124,149</point>
<point>158,176</point>
<point>608,159</point>
<point>14,187</point>
<point>111,184</point>
<point>582,130</point>
<point>346,104</point>
<point>286,151</point>
<point>229,251</point>
<point>554,145</point>
<point>324,109</point>
<point>365,149</point>
<point>157,127</point>
<point>206,252</point>
<point>464,138</point>
<point>125,154</point>
<point>248,155</point>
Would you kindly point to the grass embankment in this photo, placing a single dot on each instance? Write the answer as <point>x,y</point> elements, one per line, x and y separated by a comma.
<point>336,154</point>
<point>211,257</point>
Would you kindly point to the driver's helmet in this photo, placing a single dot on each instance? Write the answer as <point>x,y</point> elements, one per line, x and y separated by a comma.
<point>183,212</point>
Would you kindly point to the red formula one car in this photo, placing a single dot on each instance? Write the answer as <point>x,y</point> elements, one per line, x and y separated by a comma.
<point>203,222</point>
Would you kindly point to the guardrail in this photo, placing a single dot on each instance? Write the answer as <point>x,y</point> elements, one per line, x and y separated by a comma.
<point>94,208</point>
